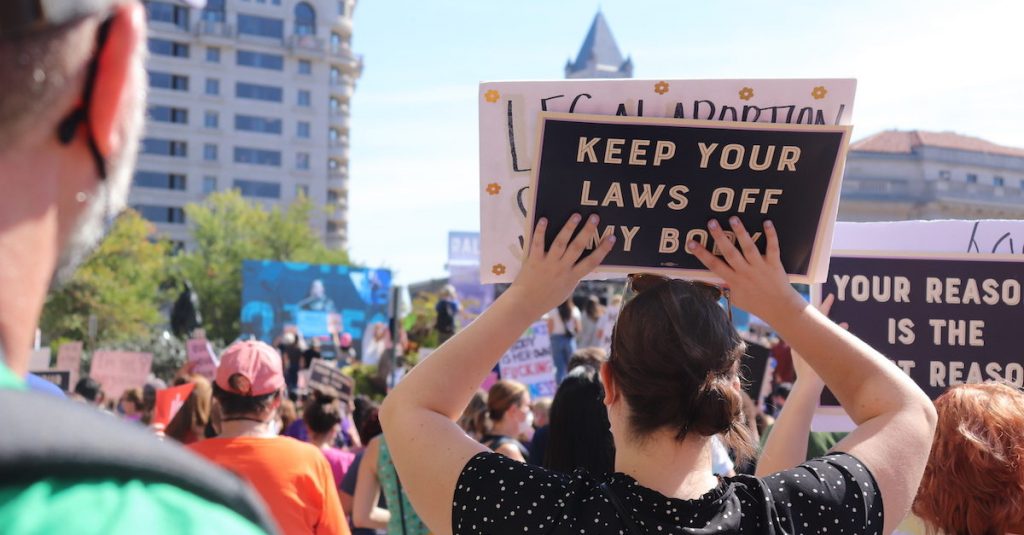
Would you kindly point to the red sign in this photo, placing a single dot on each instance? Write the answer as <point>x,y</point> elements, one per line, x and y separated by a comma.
<point>169,402</point>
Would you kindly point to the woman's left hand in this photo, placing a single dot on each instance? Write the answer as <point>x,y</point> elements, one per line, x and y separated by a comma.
<point>547,278</point>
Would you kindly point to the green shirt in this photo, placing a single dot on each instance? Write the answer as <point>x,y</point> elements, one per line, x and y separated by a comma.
<point>114,507</point>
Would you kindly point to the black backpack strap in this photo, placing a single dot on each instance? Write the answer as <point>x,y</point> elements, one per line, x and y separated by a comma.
<point>46,437</point>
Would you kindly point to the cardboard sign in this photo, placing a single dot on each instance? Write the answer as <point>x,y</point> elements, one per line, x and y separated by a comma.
<point>327,378</point>
<point>656,183</point>
<point>944,319</point>
<point>508,129</point>
<point>168,402</point>
<point>530,361</point>
<point>117,371</point>
<point>39,359</point>
<point>202,358</point>
<point>58,377</point>
<point>69,358</point>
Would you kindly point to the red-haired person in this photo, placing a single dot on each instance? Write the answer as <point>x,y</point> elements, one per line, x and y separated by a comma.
<point>974,481</point>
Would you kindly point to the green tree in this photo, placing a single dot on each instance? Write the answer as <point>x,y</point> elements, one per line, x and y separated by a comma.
<point>228,230</point>
<point>119,285</point>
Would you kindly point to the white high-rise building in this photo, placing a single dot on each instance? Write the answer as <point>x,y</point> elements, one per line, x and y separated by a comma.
<point>252,95</point>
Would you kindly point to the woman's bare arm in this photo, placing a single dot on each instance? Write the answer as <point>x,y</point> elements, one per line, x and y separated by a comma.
<point>419,415</point>
<point>895,419</point>
<point>365,513</point>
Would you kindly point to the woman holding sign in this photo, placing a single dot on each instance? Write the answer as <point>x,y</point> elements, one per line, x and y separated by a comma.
<point>671,384</point>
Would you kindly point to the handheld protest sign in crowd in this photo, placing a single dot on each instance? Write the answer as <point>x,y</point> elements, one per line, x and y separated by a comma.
<point>118,371</point>
<point>655,183</point>
<point>509,118</point>
<point>944,319</point>
<point>530,361</point>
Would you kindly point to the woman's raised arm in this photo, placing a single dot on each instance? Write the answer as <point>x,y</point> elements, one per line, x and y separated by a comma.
<point>428,448</point>
<point>895,419</point>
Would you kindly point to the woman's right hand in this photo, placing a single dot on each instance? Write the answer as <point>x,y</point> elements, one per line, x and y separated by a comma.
<point>548,277</point>
<point>757,283</point>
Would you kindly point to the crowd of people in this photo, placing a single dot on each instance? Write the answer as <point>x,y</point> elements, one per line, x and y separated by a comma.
<point>653,436</point>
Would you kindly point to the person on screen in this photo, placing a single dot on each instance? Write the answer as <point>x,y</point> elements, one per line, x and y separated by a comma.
<point>317,300</point>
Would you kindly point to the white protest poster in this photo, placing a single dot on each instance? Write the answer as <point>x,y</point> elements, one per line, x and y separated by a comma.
<point>117,371</point>
<point>509,120</point>
<point>202,357</point>
<point>989,238</point>
<point>530,362</point>
<point>69,359</point>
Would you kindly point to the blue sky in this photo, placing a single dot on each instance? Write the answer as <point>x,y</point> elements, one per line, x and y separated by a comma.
<point>937,65</point>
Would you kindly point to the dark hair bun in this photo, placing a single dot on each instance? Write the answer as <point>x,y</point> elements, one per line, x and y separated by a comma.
<point>716,407</point>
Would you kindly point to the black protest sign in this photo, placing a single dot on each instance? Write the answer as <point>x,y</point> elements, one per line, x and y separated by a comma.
<point>327,378</point>
<point>945,320</point>
<point>753,366</point>
<point>60,378</point>
<point>656,183</point>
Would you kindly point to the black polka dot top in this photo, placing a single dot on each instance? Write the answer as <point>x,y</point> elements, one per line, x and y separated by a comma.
<point>833,495</point>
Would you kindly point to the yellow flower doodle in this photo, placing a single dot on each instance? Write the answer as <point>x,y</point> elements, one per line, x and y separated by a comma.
<point>661,87</point>
<point>498,269</point>
<point>746,93</point>
<point>493,188</point>
<point>819,92</point>
<point>492,96</point>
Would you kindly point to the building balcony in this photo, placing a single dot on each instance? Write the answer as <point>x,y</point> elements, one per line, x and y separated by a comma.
<point>215,32</point>
<point>343,25</point>
<point>338,118</point>
<point>342,56</point>
<point>307,44</point>
<point>339,151</point>
<point>343,86</point>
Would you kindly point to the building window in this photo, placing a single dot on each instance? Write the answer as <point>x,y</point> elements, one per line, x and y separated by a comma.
<point>260,60</point>
<point>209,184</point>
<point>210,152</point>
<point>161,214</point>
<point>333,164</point>
<point>253,156</point>
<point>334,104</point>
<point>157,180</point>
<point>305,19</point>
<point>302,160</point>
<point>999,181</point>
<point>335,42</point>
<point>302,190</point>
<point>252,123</point>
<point>166,80</point>
<point>164,147</point>
<point>260,26</point>
<point>333,227</point>
<point>302,130</point>
<point>163,47</point>
<point>256,188</point>
<point>211,120</point>
<point>214,11</point>
<point>335,74</point>
<point>304,98</point>
<point>972,178</point>
<point>212,54</point>
<point>169,13</point>
<point>332,196</point>
<point>212,86</point>
<point>333,134</point>
<point>168,114</point>
<point>268,93</point>
<point>305,66</point>
<point>945,174</point>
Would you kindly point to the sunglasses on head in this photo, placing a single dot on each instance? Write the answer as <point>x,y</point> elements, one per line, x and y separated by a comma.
<point>638,283</point>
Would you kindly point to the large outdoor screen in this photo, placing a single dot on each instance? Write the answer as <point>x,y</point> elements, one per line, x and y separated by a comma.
<point>313,299</point>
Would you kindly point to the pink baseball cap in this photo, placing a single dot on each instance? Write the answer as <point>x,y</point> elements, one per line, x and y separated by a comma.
<point>250,368</point>
<point>346,340</point>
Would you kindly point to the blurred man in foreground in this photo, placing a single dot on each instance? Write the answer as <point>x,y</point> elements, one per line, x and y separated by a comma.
<point>71,113</point>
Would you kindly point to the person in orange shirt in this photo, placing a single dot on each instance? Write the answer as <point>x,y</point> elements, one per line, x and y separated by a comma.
<point>293,477</point>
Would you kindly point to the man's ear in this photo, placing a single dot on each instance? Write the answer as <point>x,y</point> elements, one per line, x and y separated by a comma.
<point>610,392</point>
<point>115,77</point>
